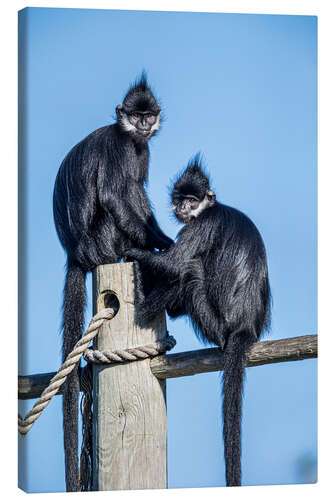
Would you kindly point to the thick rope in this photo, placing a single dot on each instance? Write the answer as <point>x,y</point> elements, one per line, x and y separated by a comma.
<point>69,364</point>
<point>130,354</point>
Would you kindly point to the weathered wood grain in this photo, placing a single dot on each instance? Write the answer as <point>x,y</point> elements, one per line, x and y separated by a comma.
<point>210,360</point>
<point>129,402</point>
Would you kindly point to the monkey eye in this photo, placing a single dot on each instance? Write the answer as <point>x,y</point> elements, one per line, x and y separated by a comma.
<point>192,200</point>
<point>150,118</point>
<point>135,116</point>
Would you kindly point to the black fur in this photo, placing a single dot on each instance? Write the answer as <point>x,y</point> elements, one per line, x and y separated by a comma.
<point>217,274</point>
<point>101,209</point>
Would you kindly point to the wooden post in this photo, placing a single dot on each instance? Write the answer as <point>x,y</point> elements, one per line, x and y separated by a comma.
<point>129,421</point>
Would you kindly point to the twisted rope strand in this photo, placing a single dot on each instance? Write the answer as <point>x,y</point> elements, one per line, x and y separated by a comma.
<point>130,354</point>
<point>99,357</point>
<point>24,425</point>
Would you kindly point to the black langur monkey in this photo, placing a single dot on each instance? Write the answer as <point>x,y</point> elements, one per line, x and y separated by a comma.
<point>101,209</point>
<point>217,274</point>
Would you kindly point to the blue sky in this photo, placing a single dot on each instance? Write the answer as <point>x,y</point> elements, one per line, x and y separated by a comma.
<point>242,90</point>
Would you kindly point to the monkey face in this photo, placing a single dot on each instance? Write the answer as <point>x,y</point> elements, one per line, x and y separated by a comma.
<point>185,209</point>
<point>141,125</point>
<point>145,122</point>
<point>139,115</point>
<point>188,207</point>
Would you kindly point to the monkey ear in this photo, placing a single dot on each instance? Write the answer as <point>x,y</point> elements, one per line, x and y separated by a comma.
<point>119,109</point>
<point>211,196</point>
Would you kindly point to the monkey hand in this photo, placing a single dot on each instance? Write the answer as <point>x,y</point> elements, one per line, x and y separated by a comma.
<point>168,242</point>
<point>163,243</point>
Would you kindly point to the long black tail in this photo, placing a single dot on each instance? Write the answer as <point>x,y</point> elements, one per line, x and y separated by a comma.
<point>73,319</point>
<point>233,377</point>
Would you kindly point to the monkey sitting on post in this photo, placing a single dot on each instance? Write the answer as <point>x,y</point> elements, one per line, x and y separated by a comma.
<point>101,209</point>
<point>216,273</point>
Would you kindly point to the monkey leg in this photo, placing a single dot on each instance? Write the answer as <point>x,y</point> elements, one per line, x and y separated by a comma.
<point>160,298</point>
<point>209,324</point>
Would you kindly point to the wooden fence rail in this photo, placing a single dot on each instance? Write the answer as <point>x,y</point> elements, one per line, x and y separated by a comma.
<point>200,361</point>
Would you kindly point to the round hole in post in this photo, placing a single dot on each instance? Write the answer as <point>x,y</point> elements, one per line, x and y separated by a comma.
<point>108,299</point>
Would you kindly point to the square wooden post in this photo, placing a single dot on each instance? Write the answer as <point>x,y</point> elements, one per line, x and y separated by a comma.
<point>129,419</point>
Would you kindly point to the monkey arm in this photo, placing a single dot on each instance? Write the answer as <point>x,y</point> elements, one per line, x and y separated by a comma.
<point>137,195</point>
<point>157,263</point>
<point>134,226</point>
<point>158,299</point>
<point>191,242</point>
<point>153,222</point>
<point>130,210</point>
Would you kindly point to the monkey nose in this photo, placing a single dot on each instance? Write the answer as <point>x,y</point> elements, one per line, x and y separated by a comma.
<point>143,124</point>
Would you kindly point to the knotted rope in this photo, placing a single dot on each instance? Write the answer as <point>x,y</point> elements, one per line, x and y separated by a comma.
<point>66,368</point>
<point>130,354</point>
<point>91,356</point>
<point>82,348</point>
